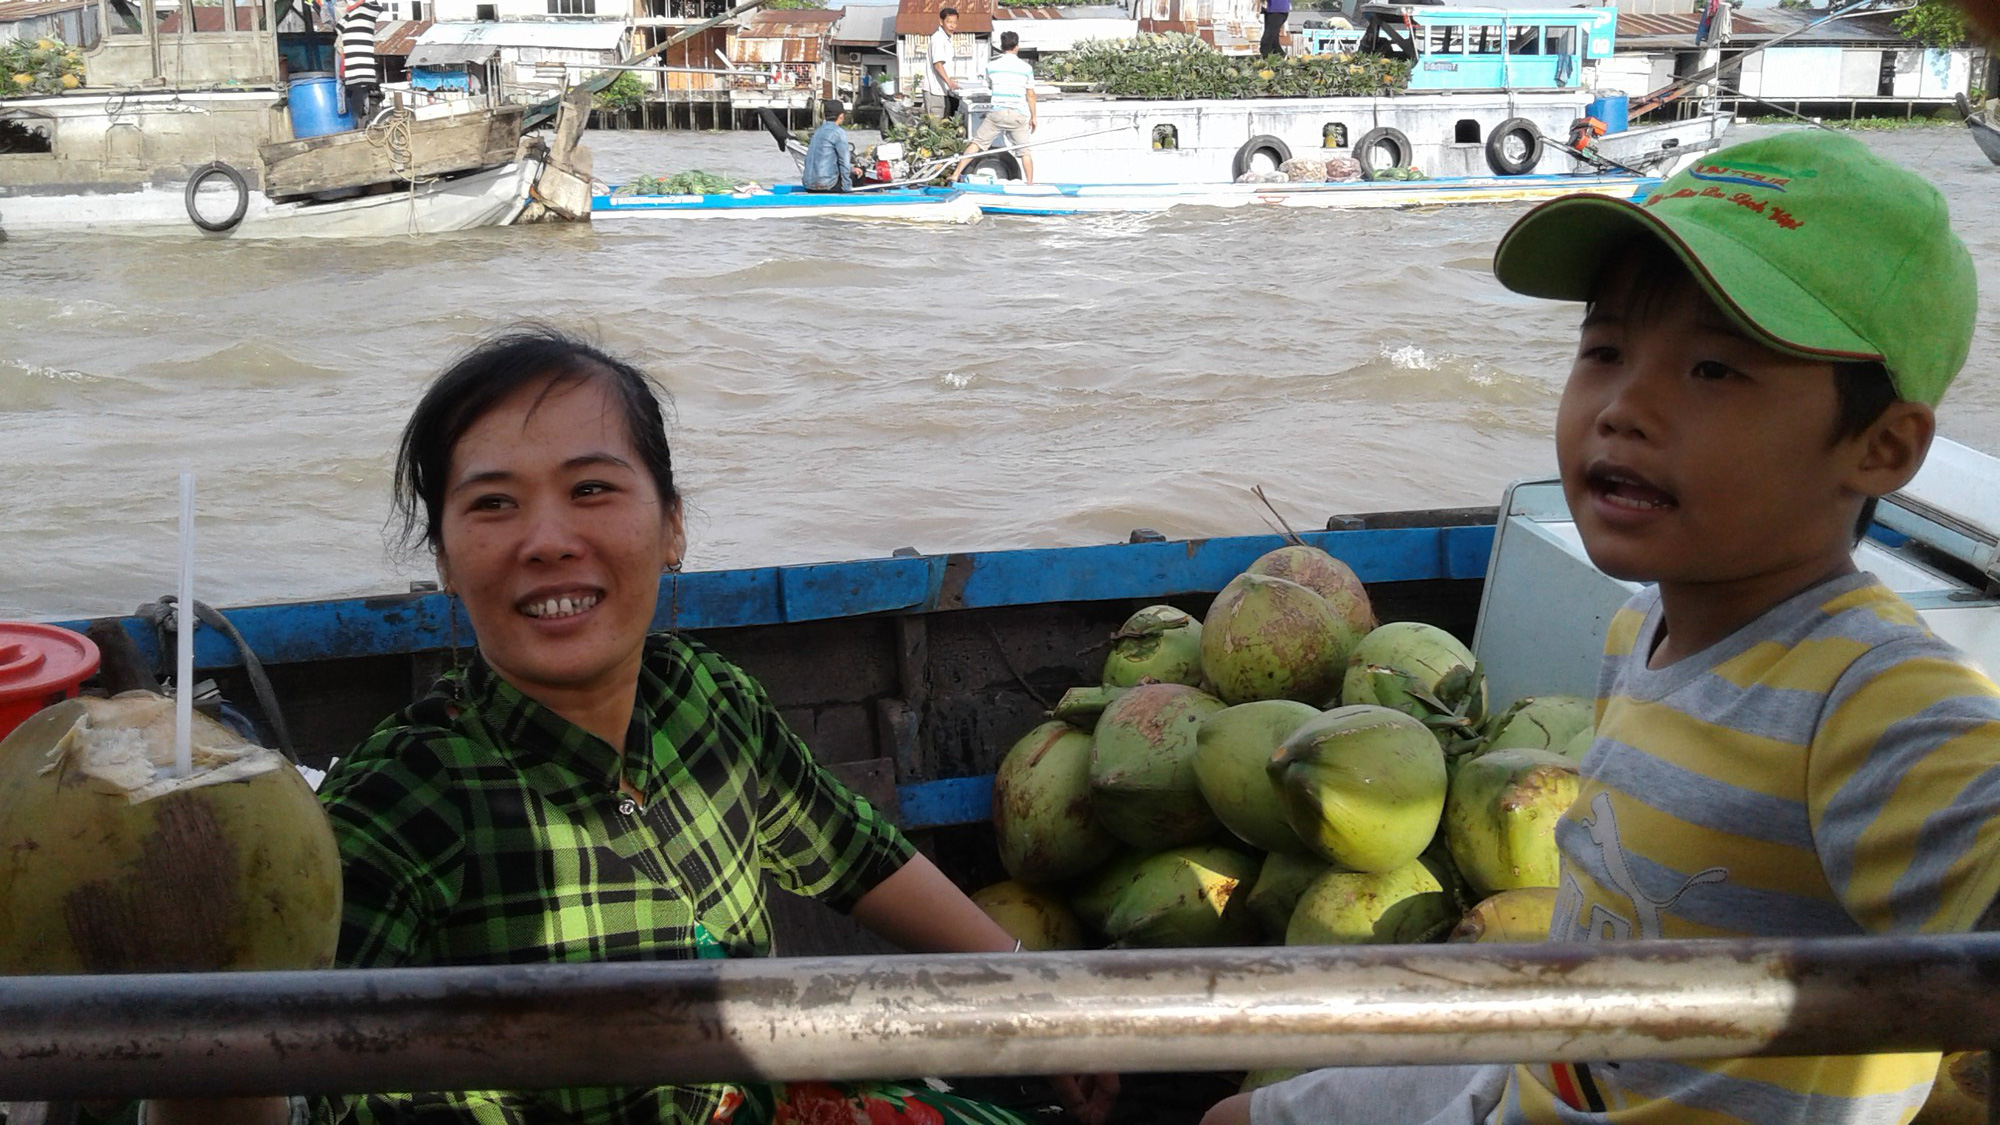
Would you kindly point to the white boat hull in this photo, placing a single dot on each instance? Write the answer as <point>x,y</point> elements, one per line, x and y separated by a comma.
<point>1014,198</point>
<point>1093,139</point>
<point>486,198</point>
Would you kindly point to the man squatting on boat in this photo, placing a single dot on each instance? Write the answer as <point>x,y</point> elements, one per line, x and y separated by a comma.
<point>1783,748</point>
<point>830,157</point>
<point>1012,80</point>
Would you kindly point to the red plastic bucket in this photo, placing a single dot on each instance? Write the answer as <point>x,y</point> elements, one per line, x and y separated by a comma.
<point>40,665</point>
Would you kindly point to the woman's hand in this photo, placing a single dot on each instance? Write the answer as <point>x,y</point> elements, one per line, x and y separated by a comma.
<point>1087,1097</point>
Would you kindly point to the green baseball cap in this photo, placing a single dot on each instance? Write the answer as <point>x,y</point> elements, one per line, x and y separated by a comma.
<point>1814,245</point>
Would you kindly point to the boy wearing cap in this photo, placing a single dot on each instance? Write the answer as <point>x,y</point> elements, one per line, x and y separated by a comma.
<point>1783,748</point>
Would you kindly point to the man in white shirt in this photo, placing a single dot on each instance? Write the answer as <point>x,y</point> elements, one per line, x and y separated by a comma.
<point>1012,80</point>
<point>940,88</point>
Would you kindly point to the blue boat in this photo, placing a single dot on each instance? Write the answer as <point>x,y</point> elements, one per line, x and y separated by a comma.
<point>792,201</point>
<point>911,675</point>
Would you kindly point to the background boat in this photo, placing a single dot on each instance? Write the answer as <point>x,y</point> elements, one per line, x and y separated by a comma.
<point>202,130</point>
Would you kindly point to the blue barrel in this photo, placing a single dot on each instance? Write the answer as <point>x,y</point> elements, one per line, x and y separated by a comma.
<point>1610,106</point>
<point>315,98</point>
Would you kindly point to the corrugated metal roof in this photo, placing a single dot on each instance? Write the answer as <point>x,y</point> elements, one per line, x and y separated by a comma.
<point>567,35</point>
<point>452,54</point>
<point>1677,29</point>
<point>789,49</point>
<point>399,37</point>
<point>13,11</point>
<point>919,17</point>
<point>1036,13</point>
<point>865,25</point>
<point>814,18</point>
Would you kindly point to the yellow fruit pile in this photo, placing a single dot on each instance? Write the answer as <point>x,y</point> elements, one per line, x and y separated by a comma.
<point>44,66</point>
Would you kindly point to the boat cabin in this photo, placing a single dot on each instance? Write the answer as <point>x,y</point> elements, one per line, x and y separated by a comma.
<point>1452,48</point>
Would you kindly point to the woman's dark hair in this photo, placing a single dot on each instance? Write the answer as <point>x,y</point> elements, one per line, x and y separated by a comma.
<point>481,378</point>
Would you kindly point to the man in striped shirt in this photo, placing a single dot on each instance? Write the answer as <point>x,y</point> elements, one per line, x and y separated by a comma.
<point>1783,749</point>
<point>359,72</point>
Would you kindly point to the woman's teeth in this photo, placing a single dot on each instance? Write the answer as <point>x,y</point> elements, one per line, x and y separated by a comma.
<point>560,607</point>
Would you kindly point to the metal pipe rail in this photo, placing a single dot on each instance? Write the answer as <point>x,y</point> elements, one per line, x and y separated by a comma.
<point>518,1027</point>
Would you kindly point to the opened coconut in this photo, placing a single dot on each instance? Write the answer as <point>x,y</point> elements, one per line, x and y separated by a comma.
<point>1323,575</point>
<point>1142,781</point>
<point>1408,904</point>
<point>1232,750</point>
<point>1185,898</point>
<point>1036,919</point>
<point>1500,819</point>
<point>110,864</point>
<point>1041,806</point>
<point>1270,638</point>
<point>1362,786</point>
<point>1521,914</point>
<point>1158,644</point>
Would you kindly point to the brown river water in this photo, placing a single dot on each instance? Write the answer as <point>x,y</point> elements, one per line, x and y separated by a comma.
<point>842,388</point>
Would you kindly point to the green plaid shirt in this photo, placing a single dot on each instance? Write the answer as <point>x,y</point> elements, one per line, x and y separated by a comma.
<point>479,828</point>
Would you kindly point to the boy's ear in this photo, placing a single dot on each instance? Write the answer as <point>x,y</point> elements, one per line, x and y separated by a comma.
<point>1893,448</point>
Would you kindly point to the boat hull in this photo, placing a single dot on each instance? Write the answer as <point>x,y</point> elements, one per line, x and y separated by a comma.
<point>1014,198</point>
<point>1094,139</point>
<point>485,198</point>
<point>786,202</point>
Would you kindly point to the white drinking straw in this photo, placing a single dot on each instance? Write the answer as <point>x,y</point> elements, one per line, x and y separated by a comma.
<point>184,638</point>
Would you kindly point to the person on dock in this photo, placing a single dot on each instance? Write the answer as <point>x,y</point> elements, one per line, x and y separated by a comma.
<point>360,72</point>
<point>1276,12</point>
<point>830,156</point>
<point>940,88</point>
<point>1012,80</point>
<point>1783,748</point>
<point>586,789</point>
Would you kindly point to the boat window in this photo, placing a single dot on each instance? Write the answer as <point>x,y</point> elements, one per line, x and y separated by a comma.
<point>1466,132</point>
<point>1166,137</point>
<point>1450,40</point>
<point>1527,41</point>
<point>1483,40</point>
<point>1562,41</point>
<point>1333,135</point>
<point>124,17</point>
<point>20,137</point>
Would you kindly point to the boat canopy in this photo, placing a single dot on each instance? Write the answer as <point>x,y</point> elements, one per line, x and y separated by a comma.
<point>1453,48</point>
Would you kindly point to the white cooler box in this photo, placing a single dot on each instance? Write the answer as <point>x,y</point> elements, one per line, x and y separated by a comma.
<point>1545,608</point>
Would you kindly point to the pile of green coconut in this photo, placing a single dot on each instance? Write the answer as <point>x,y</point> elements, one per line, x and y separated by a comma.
<point>1284,770</point>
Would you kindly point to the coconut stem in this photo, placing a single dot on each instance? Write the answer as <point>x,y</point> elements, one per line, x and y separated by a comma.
<point>184,638</point>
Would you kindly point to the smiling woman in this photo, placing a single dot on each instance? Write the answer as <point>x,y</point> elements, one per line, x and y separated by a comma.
<point>587,790</point>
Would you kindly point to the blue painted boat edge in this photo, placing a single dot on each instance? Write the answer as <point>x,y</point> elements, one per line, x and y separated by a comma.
<point>938,804</point>
<point>396,624</point>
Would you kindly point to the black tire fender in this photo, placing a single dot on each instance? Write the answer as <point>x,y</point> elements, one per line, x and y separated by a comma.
<point>1374,139</point>
<point>202,175</point>
<point>1001,164</point>
<point>1278,151</point>
<point>1531,147</point>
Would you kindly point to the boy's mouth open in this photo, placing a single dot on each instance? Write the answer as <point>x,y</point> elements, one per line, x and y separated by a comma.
<point>555,607</point>
<point>1620,489</point>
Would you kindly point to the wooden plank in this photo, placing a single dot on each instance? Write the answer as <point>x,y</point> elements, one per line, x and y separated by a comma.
<point>437,147</point>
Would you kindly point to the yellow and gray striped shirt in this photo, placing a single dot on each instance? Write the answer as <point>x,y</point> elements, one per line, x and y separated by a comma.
<point>1832,768</point>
